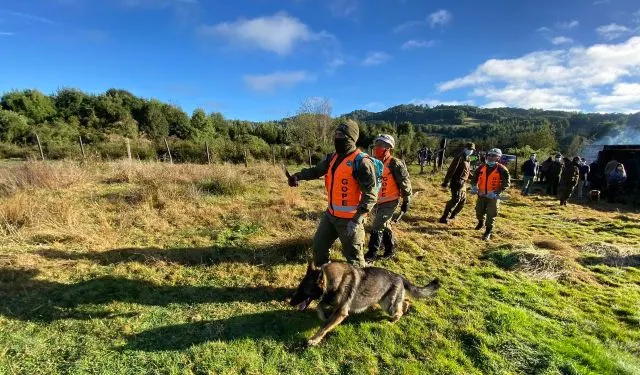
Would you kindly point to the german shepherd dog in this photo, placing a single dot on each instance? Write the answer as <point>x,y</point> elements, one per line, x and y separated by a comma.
<point>344,289</point>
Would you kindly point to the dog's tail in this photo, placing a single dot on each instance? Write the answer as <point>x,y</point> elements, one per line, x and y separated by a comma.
<point>421,292</point>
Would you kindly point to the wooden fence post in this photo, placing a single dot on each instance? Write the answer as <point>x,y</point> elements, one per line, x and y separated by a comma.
<point>128,149</point>
<point>208,155</point>
<point>169,151</point>
<point>246,161</point>
<point>81,146</point>
<point>40,147</point>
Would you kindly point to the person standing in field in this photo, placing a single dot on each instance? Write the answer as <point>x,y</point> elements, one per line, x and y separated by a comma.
<point>583,183</point>
<point>544,170</point>
<point>395,185</point>
<point>555,170</point>
<point>488,182</point>
<point>529,171</point>
<point>456,178</point>
<point>569,180</point>
<point>351,186</point>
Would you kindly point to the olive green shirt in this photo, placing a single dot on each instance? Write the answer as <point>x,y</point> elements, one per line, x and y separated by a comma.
<point>366,179</point>
<point>401,175</point>
<point>505,178</point>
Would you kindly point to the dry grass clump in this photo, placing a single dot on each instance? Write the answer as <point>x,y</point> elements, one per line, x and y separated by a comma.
<point>211,179</point>
<point>16,212</point>
<point>611,255</point>
<point>31,175</point>
<point>538,262</point>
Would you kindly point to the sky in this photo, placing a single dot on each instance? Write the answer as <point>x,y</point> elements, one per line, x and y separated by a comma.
<point>260,59</point>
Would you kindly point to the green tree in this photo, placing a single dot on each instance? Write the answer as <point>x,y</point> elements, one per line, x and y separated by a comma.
<point>154,123</point>
<point>32,104</point>
<point>14,127</point>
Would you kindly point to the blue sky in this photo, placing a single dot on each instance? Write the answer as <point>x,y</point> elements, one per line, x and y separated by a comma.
<point>258,59</point>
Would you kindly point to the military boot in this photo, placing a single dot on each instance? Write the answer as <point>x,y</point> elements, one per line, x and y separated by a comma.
<point>487,234</point>
<point>375,242</point>
<point>480,225</point>
<point>389,243</point>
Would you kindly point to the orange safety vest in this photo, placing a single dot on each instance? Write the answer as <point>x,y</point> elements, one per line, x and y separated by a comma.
<point>389,190</point>
<point>343,190</point>
<point>489,183</point>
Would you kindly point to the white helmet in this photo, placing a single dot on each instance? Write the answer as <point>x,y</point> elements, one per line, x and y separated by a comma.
<point>386,138</point>
<point>495,151</point>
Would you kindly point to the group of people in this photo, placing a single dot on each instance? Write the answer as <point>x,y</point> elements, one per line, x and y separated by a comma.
<point>488,181</point>
<point>564,176</point>
<point>357,184</point>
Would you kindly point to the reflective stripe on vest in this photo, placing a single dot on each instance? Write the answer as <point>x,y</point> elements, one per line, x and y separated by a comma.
<point>389,190</point>
<point>489,183</point>
<point>343,190</point>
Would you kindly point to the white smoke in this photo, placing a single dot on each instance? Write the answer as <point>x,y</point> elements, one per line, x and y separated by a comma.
<point>625,136</point>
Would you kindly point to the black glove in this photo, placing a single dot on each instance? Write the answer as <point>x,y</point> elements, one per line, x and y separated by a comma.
<point>445,184</point>
<point>405,206</point>
<point>293,181</point>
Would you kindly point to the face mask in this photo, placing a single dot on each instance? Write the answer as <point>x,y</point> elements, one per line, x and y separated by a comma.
<point>558,159</point>
<point>468,152</point>
<point>491,163</point>
<point>533,158</point>
<point>380,153</point>
<point>343,145</point>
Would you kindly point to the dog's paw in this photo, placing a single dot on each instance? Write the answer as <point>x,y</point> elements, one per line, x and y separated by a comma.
<point>313,341</point>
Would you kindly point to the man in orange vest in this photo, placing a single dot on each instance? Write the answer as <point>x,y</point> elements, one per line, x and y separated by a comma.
<point>351,195</point>
<point>395,185</point>
<point>489,181</point>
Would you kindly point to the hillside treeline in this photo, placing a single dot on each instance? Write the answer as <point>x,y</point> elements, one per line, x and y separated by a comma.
<point>105,121</point>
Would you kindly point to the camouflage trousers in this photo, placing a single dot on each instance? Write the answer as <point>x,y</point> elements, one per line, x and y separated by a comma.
<point>329,230</point>
<point>384,213</point>
<point>489,208</point>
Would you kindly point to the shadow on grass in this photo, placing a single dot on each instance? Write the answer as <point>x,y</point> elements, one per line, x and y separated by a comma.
<point>287,252</point>
<point>289,327</point>
<point>632,260</point>
<point>25,298</point>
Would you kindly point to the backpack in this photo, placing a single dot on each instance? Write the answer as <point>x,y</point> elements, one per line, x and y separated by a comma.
<point>378,166</point>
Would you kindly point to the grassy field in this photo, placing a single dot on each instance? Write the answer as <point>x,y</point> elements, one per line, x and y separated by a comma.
<point>152,268</point>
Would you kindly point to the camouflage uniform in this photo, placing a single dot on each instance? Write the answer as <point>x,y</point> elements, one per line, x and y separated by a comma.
<point>486,206</point>
<point>456,177</point>
<point>331,227</point>
<point>381,233</point>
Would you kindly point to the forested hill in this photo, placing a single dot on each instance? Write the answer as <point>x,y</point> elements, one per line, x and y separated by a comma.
<point>510,127</point>
<point>102,121</point>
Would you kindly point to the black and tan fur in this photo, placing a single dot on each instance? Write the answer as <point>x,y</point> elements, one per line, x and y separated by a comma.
<point>344,289</point>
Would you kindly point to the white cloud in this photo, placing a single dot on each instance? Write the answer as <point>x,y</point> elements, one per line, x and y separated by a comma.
<point>273,81</point>
<point>567,25</point>
<point>335,63</point>
<point>636,17</point>
<point>278,33</point>
<point>436,102</point>
<point>543,29</point>
<point>414,43</point>
<point>554,79</point>
<point>376,58</point>
<point>343,8</point>
<point>439,18</point>
<point>612,31</point>
<point>374,106</point>
<point>30,17</point>
<point>561,40</point>
<point>495,105</point>
<point>600,2</point>
<point>625,97</point>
